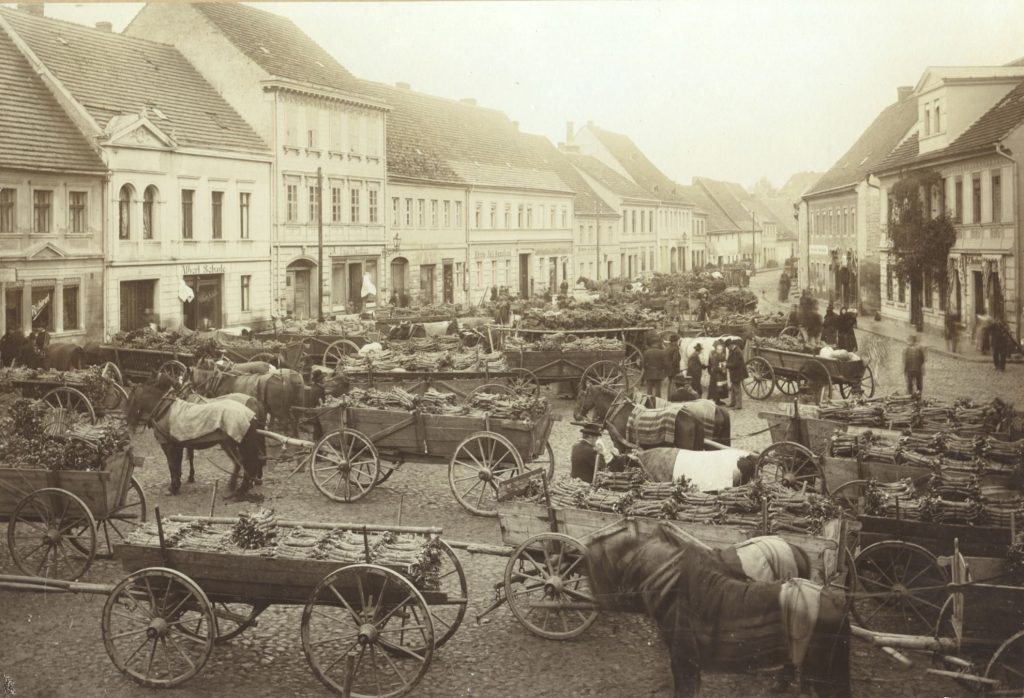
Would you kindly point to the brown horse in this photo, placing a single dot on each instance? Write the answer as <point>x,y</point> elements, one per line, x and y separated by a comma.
<point>225,423</point>
<point>713,618</point>
<point>612,408</point>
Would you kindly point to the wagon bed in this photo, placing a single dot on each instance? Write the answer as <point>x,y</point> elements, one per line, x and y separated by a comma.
<point>795,373</point>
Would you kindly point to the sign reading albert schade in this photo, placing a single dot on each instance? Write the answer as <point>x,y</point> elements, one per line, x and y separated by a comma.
<point>187,269</point>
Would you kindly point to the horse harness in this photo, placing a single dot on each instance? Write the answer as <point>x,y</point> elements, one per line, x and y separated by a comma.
<point>619,402</point>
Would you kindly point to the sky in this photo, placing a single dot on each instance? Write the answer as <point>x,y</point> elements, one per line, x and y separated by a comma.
<point>728,89</point>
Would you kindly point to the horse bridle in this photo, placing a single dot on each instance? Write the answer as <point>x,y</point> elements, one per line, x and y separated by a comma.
<point>162,405</point>
<point>619,402</point>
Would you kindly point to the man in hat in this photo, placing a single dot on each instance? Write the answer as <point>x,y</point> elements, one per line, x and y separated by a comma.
<point>588,454</point>
<point>695,368</point>
<point>680,389</point>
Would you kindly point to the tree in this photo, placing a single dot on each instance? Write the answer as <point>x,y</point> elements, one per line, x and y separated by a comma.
<point>920,241</point>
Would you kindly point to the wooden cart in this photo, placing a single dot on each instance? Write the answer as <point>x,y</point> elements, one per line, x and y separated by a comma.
<point>59,520</point>
<point>795,373</point>
<point>140,364</point>
<point>64,395</point>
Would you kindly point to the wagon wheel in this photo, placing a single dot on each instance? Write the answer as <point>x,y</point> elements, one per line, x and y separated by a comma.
<point>144,627</point>
<point>353,612</point>
<point>815,381</point>
<point>545,460</point>
<point>850,496</point>
<point>345,465</point>
<point>633,364</point>
<point>790,331</point>
<point>450,580</point>
<point>760,380</point>
<point>606,374</point>
<point>787,385</point>
<point>477,464</point>
<point>490,389</point>
<point>115,398</point>
<point>791,465</point>
<point>336,351</point>
<point>903,588</point>
<point>175,370</point>
<point>111,372</point>
<point>120,520</point>
<point>52,534</point>
<point>1007,667</point>
<point>522,381</point>
<point>64,404</point>
<point>865,387</point>
<point>547,587</point>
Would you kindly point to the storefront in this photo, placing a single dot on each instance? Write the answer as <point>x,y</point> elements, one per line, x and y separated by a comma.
<point>205,310</point>
<point>524,271</point>
<point>346,290</point>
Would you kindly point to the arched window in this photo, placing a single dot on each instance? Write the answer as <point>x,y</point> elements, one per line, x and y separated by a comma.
<point>124,212</point>
<point>148,201</point>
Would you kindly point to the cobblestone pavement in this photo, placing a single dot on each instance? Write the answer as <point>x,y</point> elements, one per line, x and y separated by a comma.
<point>52,646</point>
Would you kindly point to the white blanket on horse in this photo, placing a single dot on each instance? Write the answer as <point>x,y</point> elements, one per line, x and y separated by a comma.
<point>187,421</point>
<point>800,601</point>
<point>767,559</point>
<point>708,470</point>
<point>436,329</point>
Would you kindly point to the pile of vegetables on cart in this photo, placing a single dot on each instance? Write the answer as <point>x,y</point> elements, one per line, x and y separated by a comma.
<point>25,443</point>
<point>517,407</point>
<point>963,415</point>
<point>89,381</point>
<point>446,310</point>
<point>951,495</point>
<point>405,356</point>
<point>341,326</point>
<point>630,494</point>
<point>591,317</point>
<point>261,534</point>
<point>560,341</point>
<point>200,345</point>
<point>731,301</point>
<point>797,345</point>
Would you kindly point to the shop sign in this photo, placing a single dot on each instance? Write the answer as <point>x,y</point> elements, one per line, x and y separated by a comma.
<point>821,250</point>
<point>491,253</point>
<point>192,269</point>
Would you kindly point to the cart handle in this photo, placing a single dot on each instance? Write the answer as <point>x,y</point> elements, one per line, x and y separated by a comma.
<point>286,439</point>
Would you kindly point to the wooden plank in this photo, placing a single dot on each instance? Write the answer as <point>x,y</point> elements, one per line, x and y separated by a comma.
<point>90,486</point>
<point>518,485</point>
<point>522,520</point>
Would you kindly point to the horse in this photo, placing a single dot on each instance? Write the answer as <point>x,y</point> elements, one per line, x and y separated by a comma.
<point>713,619</point>
<point>709,471</point>
<point>419,330</point>
<point>178,424</point>
<point>591,284</point>
<point>612,409</point>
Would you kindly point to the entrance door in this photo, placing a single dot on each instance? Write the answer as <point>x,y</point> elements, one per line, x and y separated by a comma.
<point>916,312</point>
<point>958,298</point>
<point>524,276</point>
<point>979,292</point>
<point>355,287</point>
<point>449,283</point>
<point>207,304</point>
<point>301,294</point>
<point>427,283</point>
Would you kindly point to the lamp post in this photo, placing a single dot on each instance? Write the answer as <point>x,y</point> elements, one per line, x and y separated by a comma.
<point>393,251</point>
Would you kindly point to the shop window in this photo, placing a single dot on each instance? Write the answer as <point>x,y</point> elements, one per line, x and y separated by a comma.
<point>69,296</point>
<point>246,284</point>
<point>124,213</point>
<point>187,197</point>
<point>77,212</point>
<point>148,221</point>
<point>42,307</point>
<point>7,209</point>
<point>217,214</point>
<point>43,208</point>
<point>244,206</point>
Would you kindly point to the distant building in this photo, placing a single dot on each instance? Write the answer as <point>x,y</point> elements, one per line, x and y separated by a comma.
<point>52,192</point>
<point>738,228</point>
<point>970,131</point>
<point>187,223</point>
<point>839,214</point>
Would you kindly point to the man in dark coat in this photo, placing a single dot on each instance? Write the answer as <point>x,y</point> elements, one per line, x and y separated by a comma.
<point>913,367</point>
<point>655,367</point>
<point>695,369</point>
<point>587,457</point>
<point>680,389</point>
<point>11,345</point>
<point>737,368</point>
<point>672,364</point>
<point>999,338</point>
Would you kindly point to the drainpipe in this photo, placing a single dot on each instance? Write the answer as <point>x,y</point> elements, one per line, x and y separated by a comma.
<point>1005,152</point>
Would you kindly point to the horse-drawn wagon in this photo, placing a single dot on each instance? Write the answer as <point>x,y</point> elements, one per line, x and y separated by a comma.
<point>796,373</point>
<point>91,392</point>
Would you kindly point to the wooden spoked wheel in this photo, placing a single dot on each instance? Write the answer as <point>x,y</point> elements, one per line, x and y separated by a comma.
<point>760,380</point>
<point>490,389</point>
<point>787,385</point>
<point>115,398</point>
<point>345,465</point>
<point>1007,667</point>
<point>633,364</point>
<point>815,382</point>
<point>865,387</point>
<point>606,374</point>
<point>790,331</point>
<point>903,588</point>
<point>545,460</point>
<point>176,371</point>
<point>850,496</point>
<point>792,465</point>
<point>379,618</point>
<point>111,372</point>
<point>479,462</point>
<point>547,587</point>
<point>158,627</point>
<point>67,405</point>
<point>335,353</point>
<point>120,520</point>
<point>450,580</point>
<point>522,381</point>
<point>52,534</point>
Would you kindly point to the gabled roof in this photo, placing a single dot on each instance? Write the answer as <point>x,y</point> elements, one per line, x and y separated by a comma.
<point>112,74</point>
<point>278,46</point>
<point>35,132</point>
<point>990,128</point>
<point>717,220</point>
<point>588,202</point>
<point>728,196</point>
<point>643,171</point>
<point>782,209</point>
<point>441,140</point>
<point>607,177</point>
<point>872,148</point>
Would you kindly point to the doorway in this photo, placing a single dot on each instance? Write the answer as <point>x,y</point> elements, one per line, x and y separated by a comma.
<point>301,293</point>
<point>448,274</point>
<point>399,274</point>
<point>958,298</point>
<point>204,311</point>
<point>979,292</point>
<point>524,275</point>
<point>355,287</point>
<point>136,299</point>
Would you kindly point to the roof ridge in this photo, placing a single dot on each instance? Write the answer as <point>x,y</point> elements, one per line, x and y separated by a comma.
<point>85,28</point>
<point>1011,95</point>
<point>439,98</point>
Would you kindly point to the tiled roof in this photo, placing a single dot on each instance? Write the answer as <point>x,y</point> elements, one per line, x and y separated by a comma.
<point>608,178</point>
<point>35,132</point>
<point>717,220</point>
<point>278,46</point>
<point>643,171</point>
<point>904,154</point>
<point>587,200</point>
<point>871,149</point>
<point>441,140</point>
<point>112,74</point>
<point>782,209</point>
<point>728,197</point>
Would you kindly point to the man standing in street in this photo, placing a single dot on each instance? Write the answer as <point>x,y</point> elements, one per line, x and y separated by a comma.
<point>999,340</point>
<point>695,369</point>
<point>913,366</point>
<point>737,372</point>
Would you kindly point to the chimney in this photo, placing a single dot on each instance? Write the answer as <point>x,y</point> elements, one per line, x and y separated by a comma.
<point>468,100</point>
<point>33,8</point>
<point>105,26</point>
<point>903,92</point>
<point>569,132</point>
<point>403,85</point>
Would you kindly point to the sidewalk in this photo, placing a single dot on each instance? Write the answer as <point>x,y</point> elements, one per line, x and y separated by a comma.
<point>931,338</point>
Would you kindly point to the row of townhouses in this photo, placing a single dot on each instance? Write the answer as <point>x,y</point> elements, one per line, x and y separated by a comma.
<point>963,126</point>
<point>213,166</point>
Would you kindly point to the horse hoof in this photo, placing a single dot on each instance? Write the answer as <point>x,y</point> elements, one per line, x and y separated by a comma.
<point>174,491</point>
<point>191,480</point>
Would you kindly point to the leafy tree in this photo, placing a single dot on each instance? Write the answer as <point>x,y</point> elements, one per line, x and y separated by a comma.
<point>920,242</point>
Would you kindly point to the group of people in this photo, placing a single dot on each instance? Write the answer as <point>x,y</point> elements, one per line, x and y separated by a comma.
<point>726,369</point>
<point>16,348</point>
<point>838,330</point>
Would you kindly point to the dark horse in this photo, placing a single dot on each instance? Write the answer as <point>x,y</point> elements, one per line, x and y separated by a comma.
<point>713,621</point>
<point>154,405</point>
<point>611,408</point>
